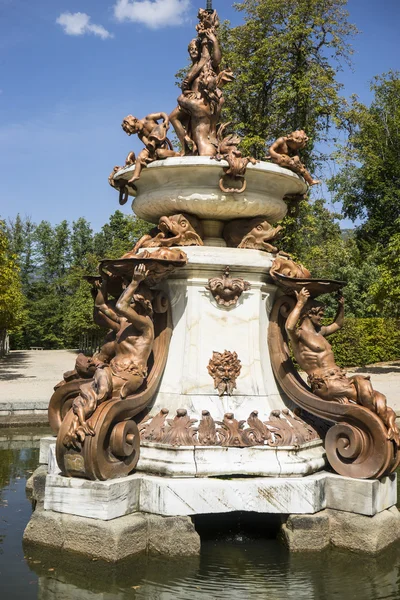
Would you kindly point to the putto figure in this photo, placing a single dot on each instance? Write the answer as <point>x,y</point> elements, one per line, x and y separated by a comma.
<point>285,153</point>
<point>197,115</point>
<point>132,322</point>
<point>153,135</point>
<point>315,356</point>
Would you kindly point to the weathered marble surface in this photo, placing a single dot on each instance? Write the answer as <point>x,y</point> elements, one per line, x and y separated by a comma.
<point>183,497</point>
<point>201,326</point>
<point>210,461</point>
<point>200,461</point>
<point>191,184</point>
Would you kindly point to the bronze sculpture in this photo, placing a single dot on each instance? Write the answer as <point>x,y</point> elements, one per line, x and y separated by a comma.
<point>94,416</point>
<point>363,442</point>
<point>314,355</point>
<point>196,118</point>
<point>153,135</point>
<point>228,150</point>
<point>283,428</point>
<point>177,230</point>
<point>284,265</point>
<point>285,153</point>
<point>254,233</point>
<point>109,392</point>
<point>127,370</point>
<point>226,289</point>
<point>224,368</point>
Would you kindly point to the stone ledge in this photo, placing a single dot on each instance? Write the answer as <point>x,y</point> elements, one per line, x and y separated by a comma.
<point>113,540</point>
<point>165,496</point>
<point>350,531</point>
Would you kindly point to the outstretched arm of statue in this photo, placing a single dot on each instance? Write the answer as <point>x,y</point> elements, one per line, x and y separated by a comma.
<point>291,322</point>
<point>123,305</point>
<point>216,54</point>
<point>338,322</point>
<point>101,304</point>
<point>158,116</point>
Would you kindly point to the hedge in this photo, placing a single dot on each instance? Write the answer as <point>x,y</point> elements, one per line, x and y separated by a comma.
<point>366,341</point>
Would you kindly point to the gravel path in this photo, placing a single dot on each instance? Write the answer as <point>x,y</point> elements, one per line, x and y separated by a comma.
<point>27,379</point>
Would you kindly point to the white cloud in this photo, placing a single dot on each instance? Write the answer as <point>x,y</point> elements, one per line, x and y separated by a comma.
<point>152,13</point>
<point>79,24</point>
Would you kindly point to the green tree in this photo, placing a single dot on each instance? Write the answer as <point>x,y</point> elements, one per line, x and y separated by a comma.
<point>312,225</point>
<point>20,232</point>
<point>368,182</point>
<point>12,312</point>
<point>81,241</point>
<point>119,235</point>
<point>385,290</point>
<point>339,258</point>
<point>286,57</point>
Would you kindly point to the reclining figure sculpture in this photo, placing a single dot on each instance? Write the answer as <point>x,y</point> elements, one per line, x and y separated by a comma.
<point>315,356</point>
<point>127,370</point>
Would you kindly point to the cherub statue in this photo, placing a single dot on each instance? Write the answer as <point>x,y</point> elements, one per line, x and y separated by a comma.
<point>285,153</point>
<point>196,118</point>
<point>131,320</point>
<point>315,356</point>
<point>153,135</point>
<point>228,150</point>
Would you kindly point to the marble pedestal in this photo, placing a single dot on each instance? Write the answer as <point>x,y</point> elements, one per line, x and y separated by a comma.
<point>201,326</point>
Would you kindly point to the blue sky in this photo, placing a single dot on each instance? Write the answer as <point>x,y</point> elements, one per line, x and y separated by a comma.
<point>68,79</point>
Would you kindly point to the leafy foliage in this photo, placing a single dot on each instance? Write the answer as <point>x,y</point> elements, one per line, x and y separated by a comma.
<point>368,183</point>
<point>285,57</point>
<point>385,290</point>
<point>366,341</point>
<point>12,311</point>
<point>53,261</point>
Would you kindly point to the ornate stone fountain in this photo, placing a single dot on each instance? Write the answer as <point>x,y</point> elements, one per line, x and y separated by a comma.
<point>193,404</point>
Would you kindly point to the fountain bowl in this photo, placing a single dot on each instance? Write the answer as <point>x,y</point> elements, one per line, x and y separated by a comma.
<point>191,184</point>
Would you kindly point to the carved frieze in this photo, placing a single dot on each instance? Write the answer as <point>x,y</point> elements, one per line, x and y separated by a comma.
<point>283,428</point>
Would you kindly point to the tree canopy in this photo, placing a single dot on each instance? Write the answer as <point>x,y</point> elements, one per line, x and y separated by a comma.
<point>368,182</point>
<point>53,261</point>
<point>285,57</point>
<point>11,297</point>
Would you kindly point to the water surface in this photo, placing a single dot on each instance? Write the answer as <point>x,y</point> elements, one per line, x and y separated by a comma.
<point>236,566</point>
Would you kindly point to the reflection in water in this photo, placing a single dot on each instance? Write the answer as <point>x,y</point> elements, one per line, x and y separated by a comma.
<point>240,568</point>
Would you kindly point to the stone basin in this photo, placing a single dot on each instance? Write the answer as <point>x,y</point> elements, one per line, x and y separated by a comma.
<point>191,184</point>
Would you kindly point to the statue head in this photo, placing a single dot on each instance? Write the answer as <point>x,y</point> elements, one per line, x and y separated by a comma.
<point>315,311</point>
<point>297,139</point>
<point>181,224</point>
<point>131,125</point>
<point>254,233</point>
<point>194,49</point>
<point>142,301</point>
